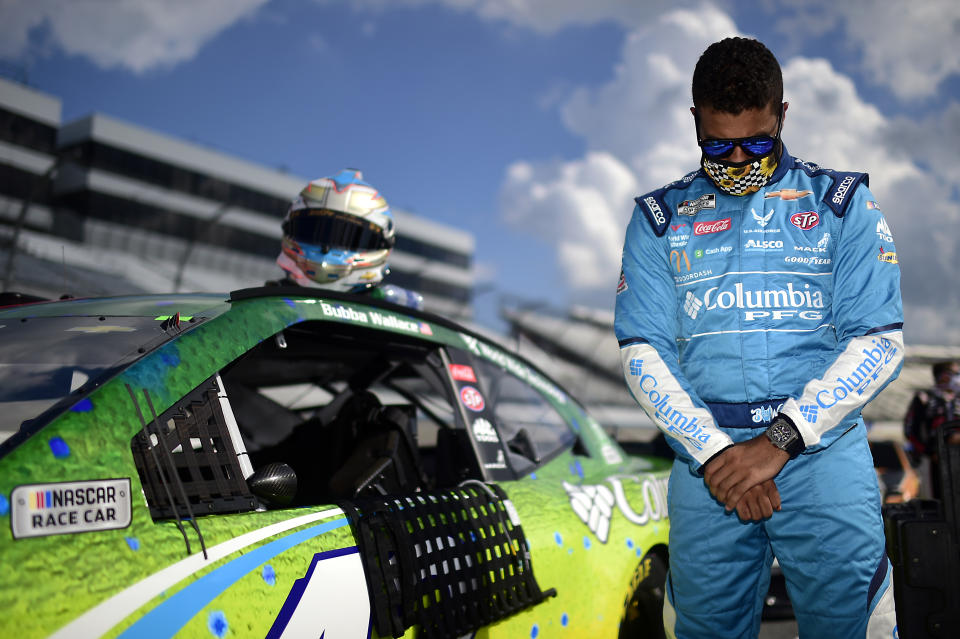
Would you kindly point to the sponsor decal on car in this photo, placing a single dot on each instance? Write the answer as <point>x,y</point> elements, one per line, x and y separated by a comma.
<point>472,399</point>
<point>483,430</point>
<point>463,373</point>
<point>38,510</point>
<point>594,504</point>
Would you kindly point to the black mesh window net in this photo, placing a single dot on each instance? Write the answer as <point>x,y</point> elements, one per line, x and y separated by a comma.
<point>449,561</point>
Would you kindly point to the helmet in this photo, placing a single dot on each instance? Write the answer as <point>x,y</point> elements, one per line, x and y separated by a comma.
<point>337,234</point>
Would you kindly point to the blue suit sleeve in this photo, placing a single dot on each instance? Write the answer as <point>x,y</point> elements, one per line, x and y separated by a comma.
<point>868,319</point>
<point>646,327</point>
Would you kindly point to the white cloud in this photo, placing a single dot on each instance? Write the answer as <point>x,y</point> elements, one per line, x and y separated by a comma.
<point>581,207</point>
<point>909,47</point>
<point>638,130</point>
<point>134,34</point>
<point>640,136</point>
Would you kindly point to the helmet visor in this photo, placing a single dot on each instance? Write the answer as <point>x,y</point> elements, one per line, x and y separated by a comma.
<point>328,228</point>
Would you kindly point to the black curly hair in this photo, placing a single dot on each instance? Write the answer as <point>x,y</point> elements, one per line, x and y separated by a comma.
<point>736,74</point>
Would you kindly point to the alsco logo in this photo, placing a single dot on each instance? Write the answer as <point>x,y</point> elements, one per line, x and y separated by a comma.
<point>805,220</point>
<point>704,228</point>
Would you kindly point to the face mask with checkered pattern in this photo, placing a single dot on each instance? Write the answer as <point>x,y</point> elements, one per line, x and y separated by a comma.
<point>741,178</point>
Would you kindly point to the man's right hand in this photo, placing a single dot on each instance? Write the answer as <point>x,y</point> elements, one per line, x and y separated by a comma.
<point>759,502</point>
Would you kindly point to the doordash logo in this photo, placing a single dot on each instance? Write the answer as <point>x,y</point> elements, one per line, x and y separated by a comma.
<point>704,228</point>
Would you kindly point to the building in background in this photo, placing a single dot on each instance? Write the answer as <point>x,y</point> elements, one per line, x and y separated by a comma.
<point>112,207</point>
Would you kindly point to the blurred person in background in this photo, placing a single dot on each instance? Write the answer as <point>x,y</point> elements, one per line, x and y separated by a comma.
<point>928,411</point>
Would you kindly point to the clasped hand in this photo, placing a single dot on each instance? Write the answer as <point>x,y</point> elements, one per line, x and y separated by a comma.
<point>741,477</point>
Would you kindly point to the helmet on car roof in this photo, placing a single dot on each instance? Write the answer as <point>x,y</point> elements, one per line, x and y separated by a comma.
<point>337,234</point>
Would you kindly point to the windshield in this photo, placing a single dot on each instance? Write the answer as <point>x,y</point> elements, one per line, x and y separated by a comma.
<point>44,359</point>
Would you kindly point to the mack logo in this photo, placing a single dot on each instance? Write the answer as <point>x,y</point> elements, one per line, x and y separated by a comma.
<point>672,418</point>
<point>805,220</point>
<point>655,210</point>
<point>692,207</point>
<point>704,228</point>
<point>841,191</point>
<point>867,371</point>
<point>763,245</point>
<point>776,304</point>
<point>810,249</point>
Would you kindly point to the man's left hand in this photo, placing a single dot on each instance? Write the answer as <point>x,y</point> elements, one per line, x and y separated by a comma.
<point>741,467</point>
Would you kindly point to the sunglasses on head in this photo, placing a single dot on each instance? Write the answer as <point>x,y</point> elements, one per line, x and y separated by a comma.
<point>754,146</point>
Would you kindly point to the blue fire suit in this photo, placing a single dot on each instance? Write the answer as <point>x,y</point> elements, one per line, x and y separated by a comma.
<point>729,311</point>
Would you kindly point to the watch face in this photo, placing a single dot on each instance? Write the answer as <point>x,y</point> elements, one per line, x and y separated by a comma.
<point>781,433</point>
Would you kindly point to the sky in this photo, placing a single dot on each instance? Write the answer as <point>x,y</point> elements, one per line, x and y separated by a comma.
<point>531,124</point>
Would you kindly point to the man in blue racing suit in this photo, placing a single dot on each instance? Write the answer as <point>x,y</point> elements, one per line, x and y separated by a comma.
<point>758,311</point>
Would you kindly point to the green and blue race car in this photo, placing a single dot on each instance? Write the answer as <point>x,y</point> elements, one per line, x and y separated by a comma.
<point>285,462</point>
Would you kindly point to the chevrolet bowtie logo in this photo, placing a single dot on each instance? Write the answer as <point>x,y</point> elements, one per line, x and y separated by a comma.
<point>787,194</point>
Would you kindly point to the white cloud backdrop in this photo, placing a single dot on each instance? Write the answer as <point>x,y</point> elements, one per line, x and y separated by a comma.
<point>636,127</point>
<point>134,34</point>
<point>639,124</point>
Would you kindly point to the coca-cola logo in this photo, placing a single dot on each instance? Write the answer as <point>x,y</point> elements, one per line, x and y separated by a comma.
<point>703,228</point>
<point>805,220</point>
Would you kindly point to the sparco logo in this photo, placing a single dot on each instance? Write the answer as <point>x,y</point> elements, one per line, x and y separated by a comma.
<point>805,220</point>
<point>776,304</point>
<point>655,210</point>
<point>703,228</point>
<point>868,369</point>
<point>841,191</point>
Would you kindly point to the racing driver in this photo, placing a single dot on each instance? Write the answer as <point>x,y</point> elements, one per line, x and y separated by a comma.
<point>757,312</point>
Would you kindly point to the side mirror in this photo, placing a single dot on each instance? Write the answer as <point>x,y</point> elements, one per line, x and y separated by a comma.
<point>275,484</point>
<point>522,444</point>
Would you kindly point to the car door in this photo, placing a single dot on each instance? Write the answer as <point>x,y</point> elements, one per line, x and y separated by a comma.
<point>591,515</point>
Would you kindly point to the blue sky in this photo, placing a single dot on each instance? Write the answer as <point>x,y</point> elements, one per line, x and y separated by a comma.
<point>530,123</point>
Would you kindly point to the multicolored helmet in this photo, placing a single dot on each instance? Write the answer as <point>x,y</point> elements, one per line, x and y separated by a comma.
<point>337,234</point>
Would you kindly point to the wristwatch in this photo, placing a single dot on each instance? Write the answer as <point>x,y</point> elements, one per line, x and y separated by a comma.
<point>785,436</point>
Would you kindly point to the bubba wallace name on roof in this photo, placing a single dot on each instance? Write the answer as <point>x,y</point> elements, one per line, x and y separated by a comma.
<point>379,319</point>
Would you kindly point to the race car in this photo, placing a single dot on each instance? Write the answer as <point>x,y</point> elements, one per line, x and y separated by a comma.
<point>291,462</point>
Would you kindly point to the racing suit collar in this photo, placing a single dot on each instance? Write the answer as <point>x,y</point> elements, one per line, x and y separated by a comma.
<point>786,161</point>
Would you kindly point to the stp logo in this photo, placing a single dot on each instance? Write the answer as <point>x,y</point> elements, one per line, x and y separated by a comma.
<point>702,228</point>
<point>805,220</point>
<point>472,398</point>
